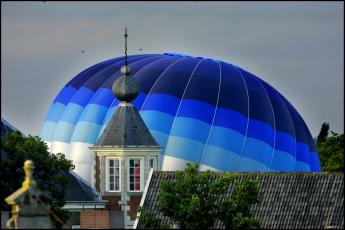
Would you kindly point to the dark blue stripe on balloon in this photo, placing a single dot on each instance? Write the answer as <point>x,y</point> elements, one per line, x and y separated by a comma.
<point>204,84</point>
<point>285,142</point>
<point>139,100</point>
<point>98,65</point>
<point>301,130</point>
<point>82,97</point>
<point>303,153</point>
<point>86,75</point>
<point>65,95</point>
<point>100,77</point>
<point>149,74</point>
<point>175,79</point>
<point>103,96</point>
<point>259,104</point>
<point>231,119</point>
<point>135,65</point>
<point>154,102</point>
<point>315,162</point>
<point>233,93</point>
<point>283,121</point>
<point>262,131</point>
<point>197,110</point>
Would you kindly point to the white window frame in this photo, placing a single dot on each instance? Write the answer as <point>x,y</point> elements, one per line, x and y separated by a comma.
<point>142,168</point>
<point>107,184</point>
<point>155,165</point>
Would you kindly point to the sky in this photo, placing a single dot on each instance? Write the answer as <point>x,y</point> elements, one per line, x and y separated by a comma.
<point>297,47</point>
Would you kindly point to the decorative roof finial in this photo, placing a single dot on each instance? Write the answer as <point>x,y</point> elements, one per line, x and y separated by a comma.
<point>125,88</point>
<point>125,69</point>
<point>29,171</point>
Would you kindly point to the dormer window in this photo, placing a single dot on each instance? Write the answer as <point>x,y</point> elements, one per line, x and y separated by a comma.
<point>113,175</point>
<point>152,163</point>
<point>135,174</point>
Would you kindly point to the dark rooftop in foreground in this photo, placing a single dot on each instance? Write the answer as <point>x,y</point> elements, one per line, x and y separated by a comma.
<point>78,190</point>
<point>288,200</point>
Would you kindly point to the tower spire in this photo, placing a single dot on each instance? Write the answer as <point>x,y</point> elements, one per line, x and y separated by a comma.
<point>125,88</point>
<point>126,35</point>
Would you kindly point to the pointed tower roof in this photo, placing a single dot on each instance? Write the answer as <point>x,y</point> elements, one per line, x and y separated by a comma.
<point>126,127</point>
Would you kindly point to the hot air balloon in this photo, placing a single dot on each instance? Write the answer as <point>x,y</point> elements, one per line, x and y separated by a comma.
<point>198,109</point>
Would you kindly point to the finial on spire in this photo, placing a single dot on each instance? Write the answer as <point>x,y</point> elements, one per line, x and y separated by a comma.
<point>126,35</point>
<point>29,171</point>
<point>125,88</point>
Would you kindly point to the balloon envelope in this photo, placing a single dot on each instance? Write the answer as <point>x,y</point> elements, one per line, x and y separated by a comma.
<point>199,109</point>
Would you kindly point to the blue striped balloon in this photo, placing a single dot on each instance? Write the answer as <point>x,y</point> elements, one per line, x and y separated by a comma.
<point>199,109</point>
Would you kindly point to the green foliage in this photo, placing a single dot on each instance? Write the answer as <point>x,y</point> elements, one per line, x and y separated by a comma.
<point>149,221</point>
<point>235,211</point>
<point>192,200</point>
<point>323,133</point>
<point>49,171</point>
<point>331,153</point>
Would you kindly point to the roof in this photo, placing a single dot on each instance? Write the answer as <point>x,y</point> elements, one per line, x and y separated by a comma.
<point>79,190</point>
<point>5,129</point>
<point>126,128</point>
<point>288,200</point>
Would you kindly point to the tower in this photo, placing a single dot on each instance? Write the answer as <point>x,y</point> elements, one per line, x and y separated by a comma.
<point>125,152</point>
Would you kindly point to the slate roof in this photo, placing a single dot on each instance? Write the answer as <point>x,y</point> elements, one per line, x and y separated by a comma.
<point>126,128</point>
<point>78,190</point>
<point>288,200</point>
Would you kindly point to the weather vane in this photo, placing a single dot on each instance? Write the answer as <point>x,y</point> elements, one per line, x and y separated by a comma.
<point>126,35</point>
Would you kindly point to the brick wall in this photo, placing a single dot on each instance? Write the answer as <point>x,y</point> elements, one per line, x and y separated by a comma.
<point>134,204</point>
<point>94,219</point>
<point>113,202</point>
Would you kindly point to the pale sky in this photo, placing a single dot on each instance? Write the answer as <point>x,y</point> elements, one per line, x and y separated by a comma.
<point>297,47</point>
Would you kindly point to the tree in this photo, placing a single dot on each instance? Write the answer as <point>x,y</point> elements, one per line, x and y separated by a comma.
<point>331,153</point>
<point>323,133</point>
<point>193,200</point>
<point>235,212</point>
<point>150,221</point>
<point>49,171</point>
